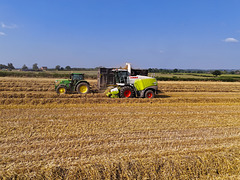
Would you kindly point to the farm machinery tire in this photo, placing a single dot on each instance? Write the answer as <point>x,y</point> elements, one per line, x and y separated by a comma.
<point>126,92</point>
<point>83,88</point>
<point>149,94</point>
<point>61,89</point>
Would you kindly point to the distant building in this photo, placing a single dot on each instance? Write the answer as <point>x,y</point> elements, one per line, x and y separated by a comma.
<point>43,68</point>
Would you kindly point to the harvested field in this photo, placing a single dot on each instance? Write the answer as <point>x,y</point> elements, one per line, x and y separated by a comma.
<point>190,131</point>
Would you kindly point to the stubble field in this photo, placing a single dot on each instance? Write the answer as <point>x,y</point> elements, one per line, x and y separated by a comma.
<point>189,131</point>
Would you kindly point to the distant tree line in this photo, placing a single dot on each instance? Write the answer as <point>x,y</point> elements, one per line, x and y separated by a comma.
<point>35,67</point>
<point>214,72</point>
<point>169,71</point>
<point>8,66</point>
<point>68,68</point>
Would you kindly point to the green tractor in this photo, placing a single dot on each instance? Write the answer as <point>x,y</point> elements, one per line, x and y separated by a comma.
<point>128,86</point>
<point>76,83</point>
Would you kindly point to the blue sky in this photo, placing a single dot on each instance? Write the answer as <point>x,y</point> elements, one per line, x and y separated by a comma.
<point>184,34</point>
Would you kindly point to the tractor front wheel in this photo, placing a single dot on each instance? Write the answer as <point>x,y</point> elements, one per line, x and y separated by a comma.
<point>83,88</point>
<point>149,94</point>
<point>61,90</point>
<point>126,92</point>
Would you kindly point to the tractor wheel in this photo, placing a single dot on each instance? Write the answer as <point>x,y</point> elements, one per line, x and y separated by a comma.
<point>83,88</point>
<point>126,92</point>
<point>61,89</point>
<point>149,94</point>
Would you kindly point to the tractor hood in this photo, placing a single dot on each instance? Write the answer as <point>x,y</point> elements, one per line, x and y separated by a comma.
<point>62,81</point>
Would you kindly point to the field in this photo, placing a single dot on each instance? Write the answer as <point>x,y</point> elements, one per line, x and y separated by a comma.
<point>92,74</point>
<point>191,130</point>
<point>196,77</point>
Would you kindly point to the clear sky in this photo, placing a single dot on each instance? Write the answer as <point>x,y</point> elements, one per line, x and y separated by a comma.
<point>184,34</point>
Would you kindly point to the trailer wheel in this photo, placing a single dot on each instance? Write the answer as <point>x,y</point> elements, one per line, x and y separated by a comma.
<point>149,94</point>
<point>61,89</point>
<point>126,92</point>
<point>83,88</point>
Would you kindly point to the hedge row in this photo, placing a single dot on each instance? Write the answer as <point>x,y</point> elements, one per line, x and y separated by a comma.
<point>223,79</point>
<point>40,74</point>
<point>87,76</point>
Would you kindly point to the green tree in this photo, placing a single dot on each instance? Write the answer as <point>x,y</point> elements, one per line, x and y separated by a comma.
<point>216,73</point>
<point>175,70</point>
<point>10,66</point>
<point>24,67</point>
<point>2,66</point>
<point>68,68</point>
<point>35,67</point>
<point>57,67</point>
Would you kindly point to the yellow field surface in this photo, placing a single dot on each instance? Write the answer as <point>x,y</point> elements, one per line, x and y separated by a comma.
<point>191,130</point>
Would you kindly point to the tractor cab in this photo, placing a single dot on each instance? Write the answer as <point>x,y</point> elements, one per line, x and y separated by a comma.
<point>76,76</point>
<point>121,76</point>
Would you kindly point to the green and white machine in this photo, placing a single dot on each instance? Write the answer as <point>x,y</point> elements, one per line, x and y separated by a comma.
<point>76,83</point>
<point>128,86</point>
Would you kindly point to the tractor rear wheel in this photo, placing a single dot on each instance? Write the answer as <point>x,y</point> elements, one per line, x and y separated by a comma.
<point>126,92</point>
<point>61,89</point>
<point>149,94</point>
<point>83,88</point>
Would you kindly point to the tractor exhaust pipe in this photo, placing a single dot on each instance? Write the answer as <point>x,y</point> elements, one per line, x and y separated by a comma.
<point>129,68</point>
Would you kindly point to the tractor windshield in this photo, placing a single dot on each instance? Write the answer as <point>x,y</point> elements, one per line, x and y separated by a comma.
<point>77,77</point>
<point>121,76</point>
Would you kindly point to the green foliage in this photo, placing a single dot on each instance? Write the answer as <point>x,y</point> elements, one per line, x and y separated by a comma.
<point>68,68</point>
<point>9,66</point>
<point>24,67</point>
<point>92,74</point>
<point>216,73</point>
<point>35,67</point>
<point>42,74</point>
<point>198,77</point>
<point>58,67</point>
<point>166,71</point>
<point>175,70</point>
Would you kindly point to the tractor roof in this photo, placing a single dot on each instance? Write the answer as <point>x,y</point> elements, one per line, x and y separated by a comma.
<point>119,70</point>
